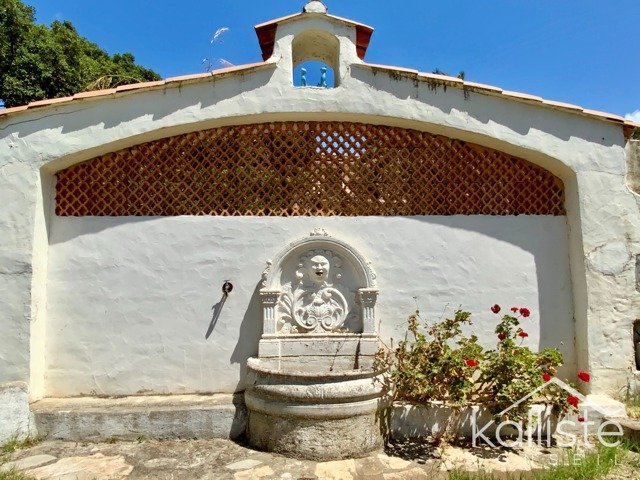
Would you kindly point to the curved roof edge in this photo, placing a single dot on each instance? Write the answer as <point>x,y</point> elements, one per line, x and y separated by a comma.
<point>137,87</point>
<point>627,125</point>
<point>433,78</point>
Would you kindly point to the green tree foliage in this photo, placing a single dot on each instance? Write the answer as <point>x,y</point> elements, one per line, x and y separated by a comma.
<point>38,62</point>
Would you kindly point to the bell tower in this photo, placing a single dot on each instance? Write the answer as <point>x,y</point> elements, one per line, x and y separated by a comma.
<point>314,35</point>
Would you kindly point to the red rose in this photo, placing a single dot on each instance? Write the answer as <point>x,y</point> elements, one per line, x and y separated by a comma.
<point>546,377</point>
<point>573,401</point>
<point>495,308</point>
<point>584,376</point>
<point>581,419</point>
<point>472,363</point>
<point>523,334</point>
<point>502,336</point>
<point>514,309</point>
<point>525,312</point>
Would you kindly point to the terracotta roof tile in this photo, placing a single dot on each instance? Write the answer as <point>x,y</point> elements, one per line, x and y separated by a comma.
<point>8,111</point>
<point>213,73</point>
<point>135,86</point>
<point>191,76</point>
<point>351,22</point>
<point>443,78</point>
<point>568,106</point>
<point>238,68</point>
<point>277,20</point>
<point>522,96</point>
<point>296,15</point>
<point>50,101</point>
<point>608,116</point>
<point>483,86</point>
<point>394,69</point>
<point>94,93</point>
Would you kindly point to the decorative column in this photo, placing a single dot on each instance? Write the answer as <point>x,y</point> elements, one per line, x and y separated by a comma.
<point>269,300</point>
<point>367,297</point>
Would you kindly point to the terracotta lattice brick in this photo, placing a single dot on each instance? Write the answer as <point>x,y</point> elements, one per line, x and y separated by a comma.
<point>307,168</point>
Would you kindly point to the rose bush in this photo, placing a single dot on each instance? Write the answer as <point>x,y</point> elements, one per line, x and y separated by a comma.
<point>437,362</point>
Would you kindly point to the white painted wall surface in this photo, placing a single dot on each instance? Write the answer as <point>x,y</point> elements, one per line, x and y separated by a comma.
<point>586,152</point>
<point>130,299</point>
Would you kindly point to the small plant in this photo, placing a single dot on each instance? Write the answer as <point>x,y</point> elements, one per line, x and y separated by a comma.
<point>6,449</point>
<point>14,475</point>
<point>632,402</point>
<point>16,444</point>
<point>574,465</point>
<point>437,363</point>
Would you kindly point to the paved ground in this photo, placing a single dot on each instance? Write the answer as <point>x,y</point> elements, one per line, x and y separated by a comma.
<point>223,459</point>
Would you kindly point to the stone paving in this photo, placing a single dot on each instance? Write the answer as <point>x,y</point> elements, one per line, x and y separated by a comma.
<point>222,459</point>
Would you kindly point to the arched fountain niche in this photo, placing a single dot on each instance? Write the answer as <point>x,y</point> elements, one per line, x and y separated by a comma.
<point>314,390</point>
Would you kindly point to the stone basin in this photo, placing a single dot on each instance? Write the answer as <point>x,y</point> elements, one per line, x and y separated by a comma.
<point>318,408</point>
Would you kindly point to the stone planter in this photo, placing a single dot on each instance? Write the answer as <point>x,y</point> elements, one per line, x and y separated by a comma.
<point>407,421</point>
<point>315,408</point>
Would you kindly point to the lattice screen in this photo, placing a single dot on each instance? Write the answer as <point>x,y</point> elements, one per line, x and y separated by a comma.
<point>307,168</point>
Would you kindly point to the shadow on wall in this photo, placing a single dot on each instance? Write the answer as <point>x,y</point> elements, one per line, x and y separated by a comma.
<point>249,337</point>
<point>555,330</point>
<point>217,310</point>
<point>66,229</point>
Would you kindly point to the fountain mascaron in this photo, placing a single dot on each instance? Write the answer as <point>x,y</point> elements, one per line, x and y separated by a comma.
<point>313,391</point>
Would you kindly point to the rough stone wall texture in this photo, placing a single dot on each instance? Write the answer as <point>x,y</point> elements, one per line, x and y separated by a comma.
<point>16,421</point>
<point>587,153</point>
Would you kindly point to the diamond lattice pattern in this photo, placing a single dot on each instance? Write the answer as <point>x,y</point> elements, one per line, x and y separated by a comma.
<point>307,168</point>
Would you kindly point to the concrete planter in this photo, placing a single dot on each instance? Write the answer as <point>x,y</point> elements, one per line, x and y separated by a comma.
<point>306,409</point>
<point>407,421</point>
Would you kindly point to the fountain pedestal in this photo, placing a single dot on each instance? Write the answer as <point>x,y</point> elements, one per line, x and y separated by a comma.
<point>313,391</point>
<point>304,410</point>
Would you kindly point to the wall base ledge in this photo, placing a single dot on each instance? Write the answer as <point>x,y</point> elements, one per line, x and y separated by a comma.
<point>130,418</point>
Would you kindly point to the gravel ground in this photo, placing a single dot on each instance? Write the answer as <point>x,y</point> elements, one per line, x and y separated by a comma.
<point>223,459</point>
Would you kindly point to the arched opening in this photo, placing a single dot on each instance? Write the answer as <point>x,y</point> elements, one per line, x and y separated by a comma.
<point>313,51</point>
<point>457,204</point>
<point>313,74</point>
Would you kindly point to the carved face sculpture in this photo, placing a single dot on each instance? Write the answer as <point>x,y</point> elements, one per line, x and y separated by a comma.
<point>319,269</point>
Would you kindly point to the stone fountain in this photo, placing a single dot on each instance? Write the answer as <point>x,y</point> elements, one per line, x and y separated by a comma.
<point>314,392</point>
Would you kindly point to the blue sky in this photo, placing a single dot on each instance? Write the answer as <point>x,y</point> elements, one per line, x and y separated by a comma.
<point>584,52</point>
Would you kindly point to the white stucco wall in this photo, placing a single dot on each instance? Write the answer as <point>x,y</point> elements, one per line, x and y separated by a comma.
<point>588,153</point>
<point>16,421</point>
<point>130,299</point>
